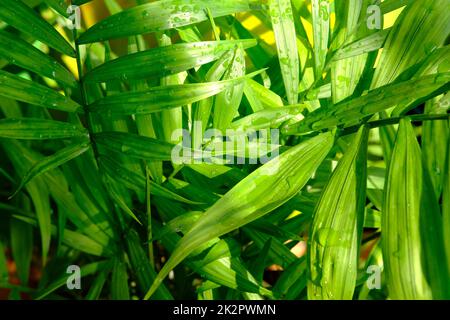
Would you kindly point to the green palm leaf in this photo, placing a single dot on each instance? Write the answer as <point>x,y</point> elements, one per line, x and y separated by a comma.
<point>282,177</point>
<point>421,28</point>
<point>162,15</point>
<point>20,89</point>
<point>134,146</point>
<point>337,226</point>
<point>23,54</point>
<point>38,129</point>
<point>227,101</point>
<point>21,17</point>
<point>321,29</point>
<point>164,60</point>
<point>54,161</point>
<point>161,98</point>
<point>283,26</point>
<point>355,110</point>
<point>411,232</point>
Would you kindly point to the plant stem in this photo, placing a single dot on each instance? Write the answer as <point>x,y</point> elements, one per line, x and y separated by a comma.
<point>84,96</point>
<point>395,120</point>
<point>149,217</point>
<point>414,118</point>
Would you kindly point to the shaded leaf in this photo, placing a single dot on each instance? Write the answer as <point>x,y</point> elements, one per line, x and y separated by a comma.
<point>39,194</point>
<point>38,129</point>
<point>25,55</point>
<point>141,266</point>
<point>97,286</point>
<point>86,270</point>
<point>72,239</point>
<point>292,281</point>
<point>17,88</point>
<point>53,161</point>
<point>118,198</point>
<point>228,271</point>
<point>134,146</point>
<point>22,248</point>
<point>119,281</point>
<point>446,207</point>
<point>136,181</point>
<point>4,273</point>
<point>21,17</point>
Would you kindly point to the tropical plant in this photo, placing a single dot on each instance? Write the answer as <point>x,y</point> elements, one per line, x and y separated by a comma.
<point>353,204</point>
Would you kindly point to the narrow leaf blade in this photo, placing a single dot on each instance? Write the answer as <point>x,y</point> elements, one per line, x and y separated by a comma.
<point>282,177</point>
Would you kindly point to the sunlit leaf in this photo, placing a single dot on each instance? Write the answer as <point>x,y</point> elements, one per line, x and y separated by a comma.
<point>164,60</point>
<point>283,26</point>
<point>161,98</point>
<point>162,15</point>
<point>334,242</point>
<point>411,232</point>
<point>321,29</point>
<point>282,177</point>
<point>227,102</point>
<point>355,110</point>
